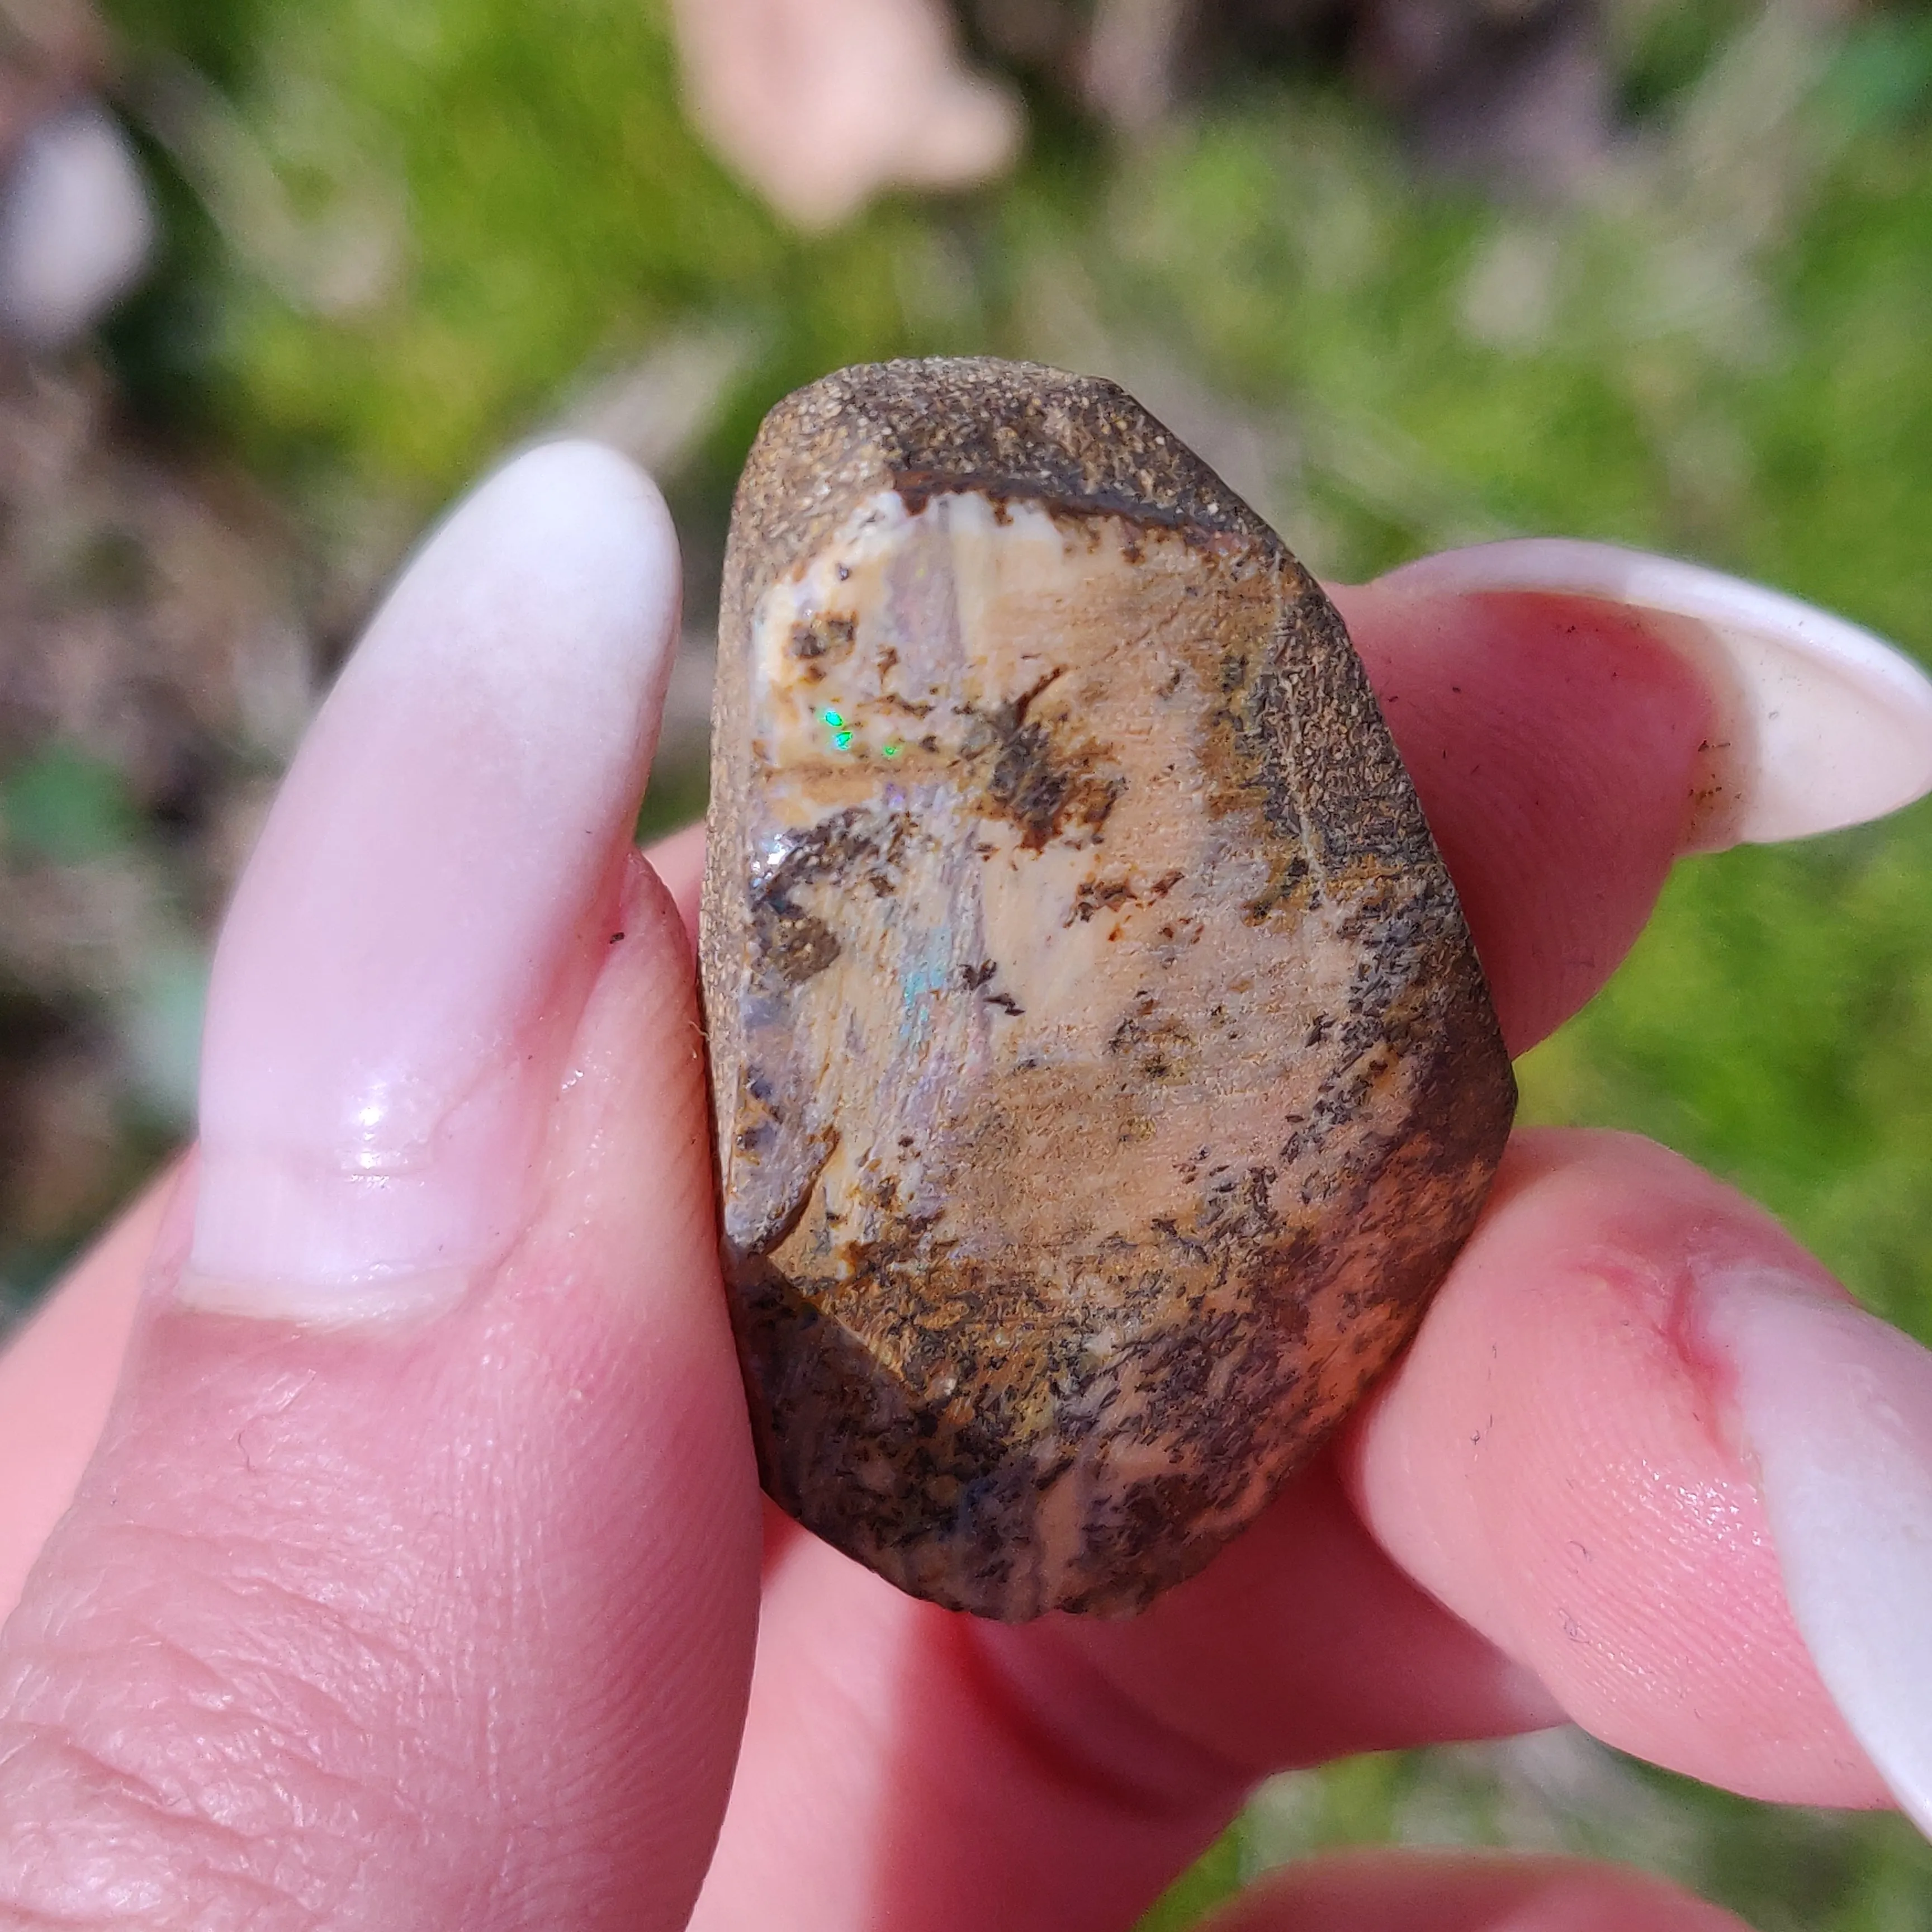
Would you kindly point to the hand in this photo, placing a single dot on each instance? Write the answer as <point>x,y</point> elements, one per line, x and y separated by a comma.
<point>414,1581</point>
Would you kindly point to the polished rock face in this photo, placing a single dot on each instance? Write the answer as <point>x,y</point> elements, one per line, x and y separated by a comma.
<point>1103,1076</point>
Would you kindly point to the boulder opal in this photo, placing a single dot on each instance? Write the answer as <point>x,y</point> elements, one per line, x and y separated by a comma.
<point>1104,1077</point>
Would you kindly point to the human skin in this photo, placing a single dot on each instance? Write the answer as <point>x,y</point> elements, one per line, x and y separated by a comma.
<point>412,1571</point>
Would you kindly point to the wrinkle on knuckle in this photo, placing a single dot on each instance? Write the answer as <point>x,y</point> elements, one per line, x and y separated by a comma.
<point>88,1842</point>
<point>187,1746</point>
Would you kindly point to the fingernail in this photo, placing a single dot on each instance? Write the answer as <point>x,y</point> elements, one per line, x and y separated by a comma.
<point>1817,723</point>
<point>411,941</point>
<point>1835,1409</point>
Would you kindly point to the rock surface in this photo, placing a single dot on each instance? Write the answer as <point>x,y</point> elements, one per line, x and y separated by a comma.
<point>1103,1075</point>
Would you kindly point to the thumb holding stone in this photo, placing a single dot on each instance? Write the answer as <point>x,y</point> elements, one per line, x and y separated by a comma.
<point>413,1583</point>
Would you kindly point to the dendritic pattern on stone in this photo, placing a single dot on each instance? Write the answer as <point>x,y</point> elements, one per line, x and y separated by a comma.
<point>1103,1075</point>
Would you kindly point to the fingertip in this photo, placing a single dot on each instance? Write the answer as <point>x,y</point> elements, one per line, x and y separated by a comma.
<point>1554,745</point>
<point>1832,1411</point>
<point>408,946</point>
<point>1550,1461</point>
<point>1818,723</point>
<point>1576,716</point>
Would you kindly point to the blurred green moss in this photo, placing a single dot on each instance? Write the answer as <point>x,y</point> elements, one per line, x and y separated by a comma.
<point>60,806</point>
<point>435,219</point>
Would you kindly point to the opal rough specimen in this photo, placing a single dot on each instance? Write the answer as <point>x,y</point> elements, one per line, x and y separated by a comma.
<point>1104,1077</point>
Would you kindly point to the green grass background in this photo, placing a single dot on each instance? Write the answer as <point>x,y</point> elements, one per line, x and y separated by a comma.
<point>1718,349</point>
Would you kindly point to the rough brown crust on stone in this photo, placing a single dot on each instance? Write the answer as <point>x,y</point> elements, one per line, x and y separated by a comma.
<point>1103,1075</point>
<point>1076,443</point>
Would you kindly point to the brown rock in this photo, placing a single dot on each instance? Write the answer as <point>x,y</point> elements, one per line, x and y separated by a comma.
<point>1104,1077</point>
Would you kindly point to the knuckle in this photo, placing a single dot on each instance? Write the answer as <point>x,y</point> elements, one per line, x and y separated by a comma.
<point>186,1740</point>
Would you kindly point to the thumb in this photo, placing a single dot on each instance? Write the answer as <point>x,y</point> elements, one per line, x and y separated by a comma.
<point>413,1583</point>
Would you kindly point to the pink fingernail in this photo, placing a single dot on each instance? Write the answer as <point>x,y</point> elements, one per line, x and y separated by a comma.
<point>1836,1408</point>
<point>409,946</point>
<point>1817,723</point>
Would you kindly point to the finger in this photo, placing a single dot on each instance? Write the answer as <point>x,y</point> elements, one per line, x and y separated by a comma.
<point>1553,743</point>
<point>1558,1462</point>
<point>1575,716</point>
<point>1639,1426</point>
<point>1818,724</point>
<point>56,1376</point>
<point>903,1767</point>
<point>413,1583</point>
<point>1464,1892</point>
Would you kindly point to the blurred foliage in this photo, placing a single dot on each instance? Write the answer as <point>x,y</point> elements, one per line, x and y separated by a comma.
<point>61,805</point>
<point>438,218</point>
<point>1814,1872</point>
<point>402,237</point>
<point>1665,49</point>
